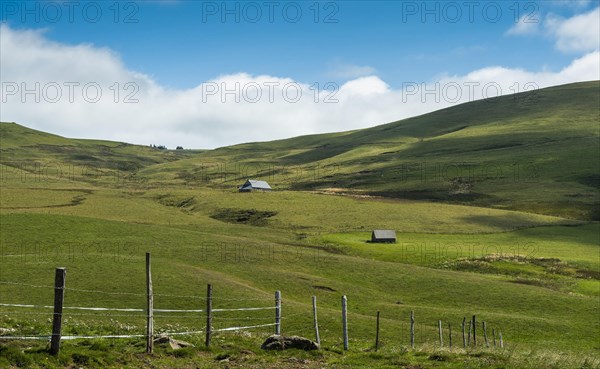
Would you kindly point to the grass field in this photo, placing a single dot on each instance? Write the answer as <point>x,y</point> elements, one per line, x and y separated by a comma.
<point>518,248</point>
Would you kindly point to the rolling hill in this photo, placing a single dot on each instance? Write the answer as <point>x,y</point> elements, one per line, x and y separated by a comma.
<point>531,152</point>
<point>521,152</point>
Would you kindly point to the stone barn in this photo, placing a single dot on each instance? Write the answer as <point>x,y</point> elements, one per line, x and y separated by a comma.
<point>254,185</point>
<point>383,236</point>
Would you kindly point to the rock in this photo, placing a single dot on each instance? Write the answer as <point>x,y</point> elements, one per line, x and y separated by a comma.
<point>162,339</point>
<point>175,344</point>
<point>276,342</point>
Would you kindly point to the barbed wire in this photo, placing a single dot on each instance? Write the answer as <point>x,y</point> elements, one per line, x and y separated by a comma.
<point>182,333</point>
<point>136,309</point>
<point>238,299</point>
<point>105,292</point>
<point>25,337</point>
<point>133,293</point>
<point>160,316</point>
<point>107,336</point>
<point>74,314</point>
<point>244,309</point>
<point>25,284</point>
<point>196,297</point>
<point>241,328</point>
<point>104,315</point>
<point>246,318</point>
<point>24,313</point>
<point>26,306</point>
<point>73,337</point>
<point>177,311</point>
<point>102,308</point>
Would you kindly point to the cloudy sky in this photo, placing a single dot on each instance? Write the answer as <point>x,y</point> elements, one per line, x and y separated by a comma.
<point>204,74</point>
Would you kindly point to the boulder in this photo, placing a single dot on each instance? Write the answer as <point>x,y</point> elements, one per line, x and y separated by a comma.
<point>276,342</point>
<point>175,344</point>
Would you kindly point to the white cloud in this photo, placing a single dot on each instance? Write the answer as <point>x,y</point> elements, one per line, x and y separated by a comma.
<point>365,86</point>
<point>208,115</point>
<point>577,34</point>
<point>580,33</point>
<point>585,68</point>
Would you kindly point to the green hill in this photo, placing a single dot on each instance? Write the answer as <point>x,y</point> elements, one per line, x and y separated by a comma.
<point>521,152</point>
<point>517,152</point>
<point>29,150</point>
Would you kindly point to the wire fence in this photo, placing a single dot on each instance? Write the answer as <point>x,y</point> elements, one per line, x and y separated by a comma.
<point>227,316</point>
<point>181,314</point>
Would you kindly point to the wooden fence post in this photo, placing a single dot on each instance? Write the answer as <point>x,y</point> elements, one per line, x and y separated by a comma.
<point>412,329</point>
<point>469,336</point>
<point>345,321</point>
<point>149,307</point>
<point>501,342</point>
<point>208,314</point>
<point>450,336</point>
<point>487,344</point>
<point>59,297</point>
<point>474,331</point>
<point>278,312</point>
<point>440,333</point>
<point>377,334</point>
<point>464,337</point>
<point>316,324</point>
<point>494,335</point>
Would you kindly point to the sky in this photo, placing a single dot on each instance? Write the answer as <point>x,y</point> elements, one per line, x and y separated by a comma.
<point>205,74</point>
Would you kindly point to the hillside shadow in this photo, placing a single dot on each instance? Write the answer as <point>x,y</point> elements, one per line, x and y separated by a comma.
<point>512,221</point>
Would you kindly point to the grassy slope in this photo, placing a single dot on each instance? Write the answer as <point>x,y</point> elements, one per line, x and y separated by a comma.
<point>99,226</point>
<point>50,157</point>
<point>520,152</point>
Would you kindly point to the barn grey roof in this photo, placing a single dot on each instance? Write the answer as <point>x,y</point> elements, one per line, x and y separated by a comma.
<point>256,184</point>
<point>384,234</point>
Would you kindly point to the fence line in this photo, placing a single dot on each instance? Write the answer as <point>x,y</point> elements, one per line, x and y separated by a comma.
<point>28,306</point>
<point>148,313</point>
<point>66,338</point>
<point>83,314</point>
<point>132,293</point>
<point>246,327</point>
<point>246,318</point>
<point>101,309</point>
<point>25,337</point>
<point>120,309</point>
<point>58,313</point>
<point>25,284</point>
<point>246,309</point>
<point>293,327</point>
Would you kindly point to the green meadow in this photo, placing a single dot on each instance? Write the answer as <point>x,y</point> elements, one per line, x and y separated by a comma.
<point>495,205</point>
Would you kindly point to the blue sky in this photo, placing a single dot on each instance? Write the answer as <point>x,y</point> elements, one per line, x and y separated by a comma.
<point>179,45</point>
<point>183,43</point>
